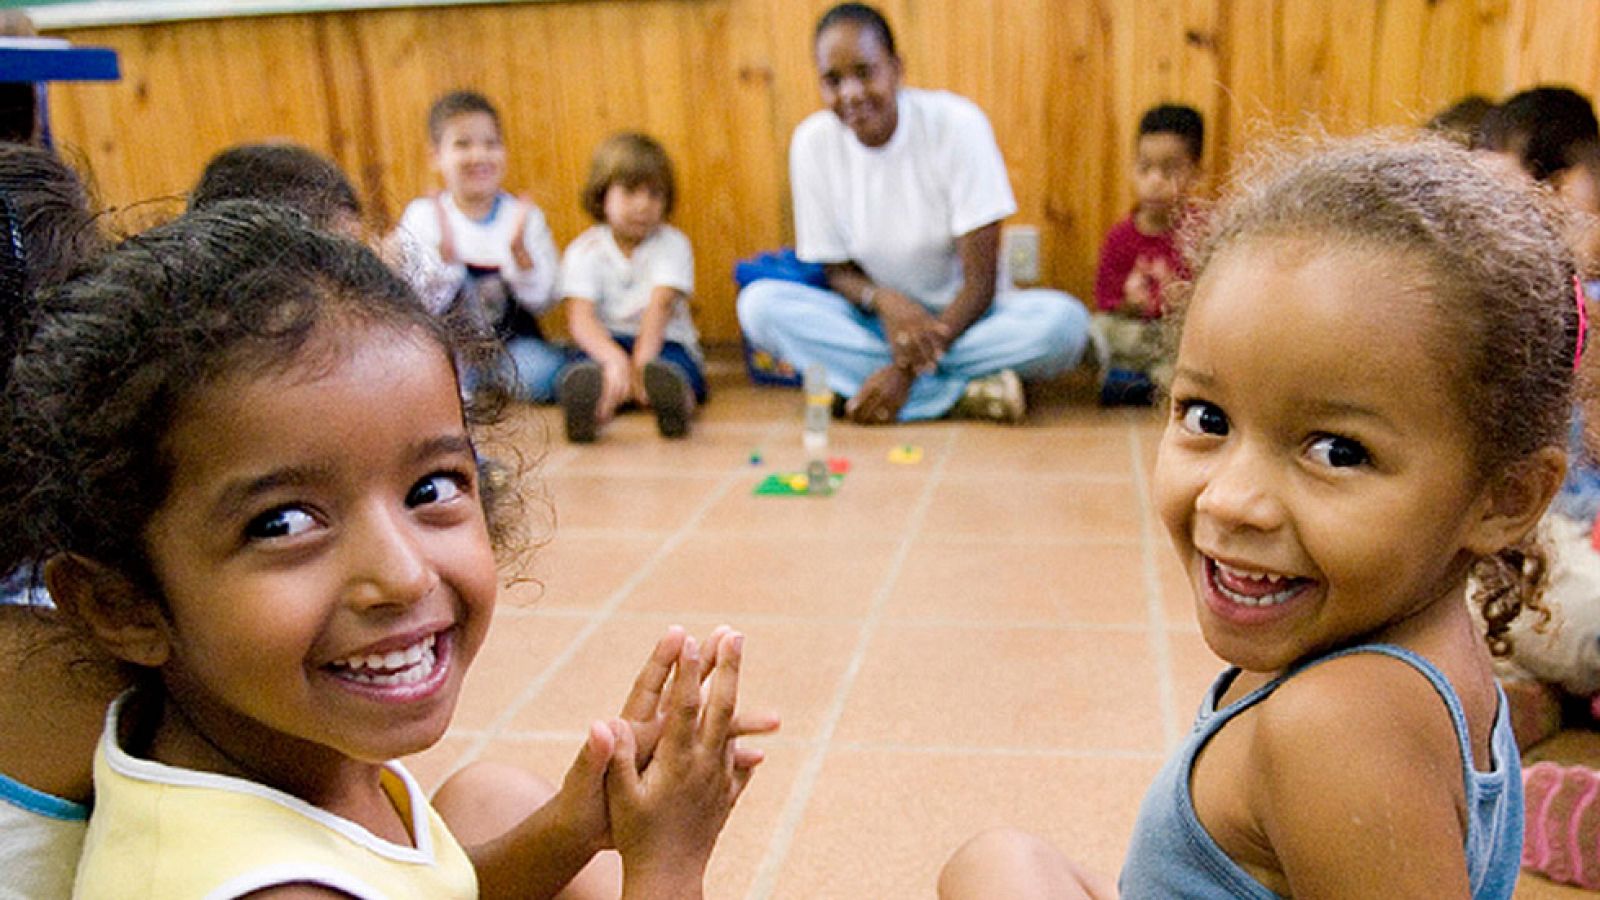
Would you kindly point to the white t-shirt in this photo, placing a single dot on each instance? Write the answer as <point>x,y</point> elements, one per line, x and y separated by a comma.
<point>595,269</point>
<point>897,210</point>
<point>483,244</point>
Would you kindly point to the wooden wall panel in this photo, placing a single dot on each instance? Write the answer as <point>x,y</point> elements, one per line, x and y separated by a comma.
<point>722,83</point>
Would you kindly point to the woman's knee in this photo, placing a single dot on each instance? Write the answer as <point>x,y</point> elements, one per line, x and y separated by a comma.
<point>1007,862</point>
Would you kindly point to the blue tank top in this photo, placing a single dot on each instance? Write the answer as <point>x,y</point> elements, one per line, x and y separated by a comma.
<point>1172,855</point>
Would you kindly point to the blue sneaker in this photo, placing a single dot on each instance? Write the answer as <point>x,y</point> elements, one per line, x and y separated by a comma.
<point>1126,387</point>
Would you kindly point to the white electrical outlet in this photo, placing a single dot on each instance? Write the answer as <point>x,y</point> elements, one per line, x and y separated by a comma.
<point>1020,254</point>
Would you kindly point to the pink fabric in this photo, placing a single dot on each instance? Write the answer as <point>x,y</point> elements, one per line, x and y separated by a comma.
<point>1125,248</point>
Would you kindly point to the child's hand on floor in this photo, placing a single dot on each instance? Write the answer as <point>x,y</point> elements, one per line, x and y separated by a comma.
<point>666,812</point>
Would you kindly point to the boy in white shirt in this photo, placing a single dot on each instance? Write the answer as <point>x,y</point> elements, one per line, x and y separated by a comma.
<point>477,249</point>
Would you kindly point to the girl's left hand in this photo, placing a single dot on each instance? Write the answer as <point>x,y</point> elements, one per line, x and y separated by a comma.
<point>666,813</point>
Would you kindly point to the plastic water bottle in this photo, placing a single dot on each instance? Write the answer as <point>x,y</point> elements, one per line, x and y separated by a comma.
<point>819,410</point>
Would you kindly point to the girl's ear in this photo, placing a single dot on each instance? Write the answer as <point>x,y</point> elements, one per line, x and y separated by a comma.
<point>120,617</point>
<point>1517,501</point>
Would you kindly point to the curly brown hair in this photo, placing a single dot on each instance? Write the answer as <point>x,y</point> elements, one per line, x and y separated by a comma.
<point>115,354</point>
<point>1502,276</point>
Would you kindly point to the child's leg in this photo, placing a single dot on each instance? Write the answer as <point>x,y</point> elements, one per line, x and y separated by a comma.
<point>485,800</point>
<point>1005,862</point>
<point>537,363</point>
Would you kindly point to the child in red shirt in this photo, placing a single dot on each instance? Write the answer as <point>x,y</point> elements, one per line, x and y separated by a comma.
<point>1141,255</point>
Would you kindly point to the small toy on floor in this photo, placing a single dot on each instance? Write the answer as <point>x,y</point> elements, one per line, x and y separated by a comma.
<point>1562,838</point>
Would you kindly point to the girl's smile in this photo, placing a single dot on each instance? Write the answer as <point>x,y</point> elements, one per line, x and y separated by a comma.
<point>323,556</point>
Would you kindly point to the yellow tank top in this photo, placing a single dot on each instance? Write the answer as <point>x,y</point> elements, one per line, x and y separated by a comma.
<point>160,832</point>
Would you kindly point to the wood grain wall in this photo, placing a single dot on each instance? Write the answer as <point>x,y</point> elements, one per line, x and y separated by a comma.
<point>723,82</point>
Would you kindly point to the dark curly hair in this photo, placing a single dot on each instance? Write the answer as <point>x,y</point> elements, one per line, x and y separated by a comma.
<point>120,350</point>
<point>1502,277</point>
<point>279,172</point>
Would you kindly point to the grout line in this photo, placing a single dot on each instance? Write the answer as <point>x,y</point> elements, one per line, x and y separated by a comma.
<point>1155,609</point>
<point>600,617</point>
<point>788,825</point>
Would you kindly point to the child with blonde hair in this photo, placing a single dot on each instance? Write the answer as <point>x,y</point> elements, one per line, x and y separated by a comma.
<point>1374,369</point>
<point>627,282</point>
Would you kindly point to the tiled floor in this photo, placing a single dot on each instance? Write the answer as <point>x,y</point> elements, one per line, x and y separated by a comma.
<point>993,635</point>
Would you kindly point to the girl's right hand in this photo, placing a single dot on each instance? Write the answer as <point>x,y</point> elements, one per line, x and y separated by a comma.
<point>666,815</point>
<point>916,338</point>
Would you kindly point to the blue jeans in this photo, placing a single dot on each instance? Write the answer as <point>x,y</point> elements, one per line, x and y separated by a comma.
<point>1038,333</point>
<point>538,364</point>
<point>672,352</point>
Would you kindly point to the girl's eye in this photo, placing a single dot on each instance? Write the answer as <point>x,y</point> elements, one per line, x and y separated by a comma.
<point>1338,452</point>
<point>440,487</point>
<point>283,522</point>
<point>1199,417</point>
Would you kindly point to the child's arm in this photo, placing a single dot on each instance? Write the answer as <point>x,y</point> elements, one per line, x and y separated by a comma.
<point>533,255</point>
<point>592,336</point>
<point>653,330</point>
<point>1355,785</point>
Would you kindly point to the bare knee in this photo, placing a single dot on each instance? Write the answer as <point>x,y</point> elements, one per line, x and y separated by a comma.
<point>1006,862</point>
<point>488,799</point>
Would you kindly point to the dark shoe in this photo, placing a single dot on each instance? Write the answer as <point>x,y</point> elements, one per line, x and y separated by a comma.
<point>1125,387</point>
<point>670,397</point>
<point>579,395</point>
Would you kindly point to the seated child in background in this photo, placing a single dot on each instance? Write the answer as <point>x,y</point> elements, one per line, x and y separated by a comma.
<point>251,477</point>
<point>55,688</point>
<point>287,174</point>
<point>1462,121</point>
<point>476,249</point>
<point>627,282</point>
<point>1540,130</point>
<point>1141,256</point>
<point>1329,523</point>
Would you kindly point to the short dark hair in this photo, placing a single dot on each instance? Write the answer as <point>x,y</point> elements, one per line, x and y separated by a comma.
<point>861,15</point>
<point>1462,121</point>
<point>458,103</point>
<point>285,173</point>
<point>1176,119</point>
<point>629,159</point>
<point>1543,126</point>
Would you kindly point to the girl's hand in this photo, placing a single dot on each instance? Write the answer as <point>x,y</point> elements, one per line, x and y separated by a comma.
<point>666,814</point>
<point>617,384</point>
<point>917,340</point>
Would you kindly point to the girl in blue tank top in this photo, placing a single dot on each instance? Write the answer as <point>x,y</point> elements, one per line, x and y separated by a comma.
<point>1374,367</point>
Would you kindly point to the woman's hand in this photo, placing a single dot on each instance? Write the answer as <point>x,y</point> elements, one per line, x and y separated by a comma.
<point>917,340</point>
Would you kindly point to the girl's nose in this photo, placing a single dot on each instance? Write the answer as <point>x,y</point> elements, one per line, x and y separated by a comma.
<point>1238,494</point>
<point>387,566</point>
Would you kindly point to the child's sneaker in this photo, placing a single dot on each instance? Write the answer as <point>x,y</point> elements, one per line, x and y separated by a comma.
<point>579,395</point>
<point>996,397</point>
<point>670,397</point>
<point>1126,387</point>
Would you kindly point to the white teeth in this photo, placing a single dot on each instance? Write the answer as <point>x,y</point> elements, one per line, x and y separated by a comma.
<point>1250,575</point>
<point>406,666</point>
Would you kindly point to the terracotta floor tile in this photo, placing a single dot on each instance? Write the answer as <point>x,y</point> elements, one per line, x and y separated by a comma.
<point>875,505</point>
<point>982,581</point>
<point>711,447</point>
<point>792,668</point>
<point>1194,668</point>
<point>518,649</point>
<point>431,766</point>
<point>999,508</point>
<point>1041,452</point>
<point>633,503</point>
<point>1026,688</point>
<point>788,575</point>
<point>581,570</point>
<point>881,824</point>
